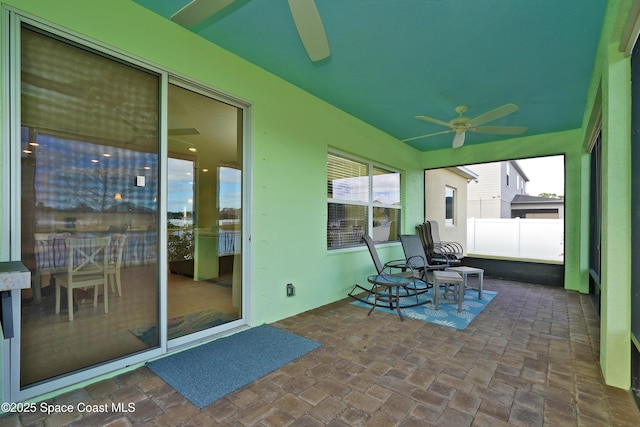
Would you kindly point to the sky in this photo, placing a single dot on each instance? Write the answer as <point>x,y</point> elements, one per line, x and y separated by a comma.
<point>546,174</point>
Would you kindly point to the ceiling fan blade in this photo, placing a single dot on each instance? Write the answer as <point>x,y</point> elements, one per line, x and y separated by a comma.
<point>198,10</point>
<point>183,131</point>
<point>493,114</point>
<point>427,135</point>
<point>307,19</point>
<point>432,120</point>
<point>458,140</point>
<point>500,130</point>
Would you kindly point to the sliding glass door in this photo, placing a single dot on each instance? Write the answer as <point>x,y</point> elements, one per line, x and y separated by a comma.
<point>89,169</point>
<point>133,237</point>
<point>204,285</point>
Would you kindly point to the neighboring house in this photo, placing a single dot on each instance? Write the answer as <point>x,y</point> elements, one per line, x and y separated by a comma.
<point>498,183</point>
<point>446,201</point>
<point>525,206</point>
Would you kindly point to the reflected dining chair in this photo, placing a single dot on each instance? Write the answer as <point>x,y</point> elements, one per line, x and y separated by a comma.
<point>86,267</point>
<point>114,261</point>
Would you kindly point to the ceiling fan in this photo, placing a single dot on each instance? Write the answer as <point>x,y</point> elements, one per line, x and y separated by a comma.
<point>461,124</point>
<point>305,16</point>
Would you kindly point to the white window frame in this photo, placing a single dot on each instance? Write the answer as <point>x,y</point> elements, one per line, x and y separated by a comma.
<point>370,204</point>
<point>450,222</point>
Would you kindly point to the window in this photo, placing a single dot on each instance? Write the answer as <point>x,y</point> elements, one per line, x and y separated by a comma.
<point>449,206</point>
<point>508,173</point>
<point>361,199</point>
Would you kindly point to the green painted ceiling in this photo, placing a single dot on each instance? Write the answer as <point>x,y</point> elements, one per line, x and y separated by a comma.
<point>394,59</point>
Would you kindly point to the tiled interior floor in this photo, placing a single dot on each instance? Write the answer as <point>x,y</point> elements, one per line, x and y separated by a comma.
<point>529,359</point>
<point>94,336</point>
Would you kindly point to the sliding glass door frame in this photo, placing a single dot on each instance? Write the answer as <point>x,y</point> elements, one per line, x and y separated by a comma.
<point>244,320</point>
<point>11,221</point>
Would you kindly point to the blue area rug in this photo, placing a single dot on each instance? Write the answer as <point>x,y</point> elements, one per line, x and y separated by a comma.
<point>208,372</point>
<point>447,315</point>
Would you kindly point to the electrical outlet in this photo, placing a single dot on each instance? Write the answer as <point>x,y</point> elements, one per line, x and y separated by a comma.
<point>290,290</point>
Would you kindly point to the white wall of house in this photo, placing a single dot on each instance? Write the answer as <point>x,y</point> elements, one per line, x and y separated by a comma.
<point>436,181</point>
<point>491,195</point>
<point>484,194</point>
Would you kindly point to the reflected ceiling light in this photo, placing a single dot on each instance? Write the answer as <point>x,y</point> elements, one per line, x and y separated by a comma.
<point>94,161</point>
<point>34,144</point>
<point>27,151</point>
<point>118,196</point>
<point>33,136</point>
<point>106,155</point>
<point>205,170</point>
<point>146,168</point>
<point>192,149</point>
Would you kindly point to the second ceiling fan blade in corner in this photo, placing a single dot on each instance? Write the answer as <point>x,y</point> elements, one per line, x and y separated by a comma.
<point>310,28</point>
<point>493,114</point>
<point>501,130</point>
<point>198,10</point>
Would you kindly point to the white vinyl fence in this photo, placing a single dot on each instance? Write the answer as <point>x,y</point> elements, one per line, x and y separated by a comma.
<point>540,239</point>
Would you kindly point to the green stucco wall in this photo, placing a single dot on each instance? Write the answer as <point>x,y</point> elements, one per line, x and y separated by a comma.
<point>610,92</point>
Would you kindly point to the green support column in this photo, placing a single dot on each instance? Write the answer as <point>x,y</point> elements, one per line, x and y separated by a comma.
<point>615,344</point>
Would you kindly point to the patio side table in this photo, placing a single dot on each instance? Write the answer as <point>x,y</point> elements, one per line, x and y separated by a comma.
<point>468,271</point>
<point>383,289</point>
<point>453,285</point>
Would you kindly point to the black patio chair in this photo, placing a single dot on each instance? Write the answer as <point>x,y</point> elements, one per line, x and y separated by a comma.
<point>449,248</point>
<point>399,267</point>
<point>433,257</point>
<point>416,257</point>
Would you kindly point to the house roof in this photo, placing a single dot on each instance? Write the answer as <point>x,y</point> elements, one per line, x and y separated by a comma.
<point>391,61</point>
<point>515,164</point>
<point>464,172</point>
<point>521,199</point>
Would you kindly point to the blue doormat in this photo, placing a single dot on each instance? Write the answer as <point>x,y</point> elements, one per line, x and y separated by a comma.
<point>447,315</point>
<point>210,371</point>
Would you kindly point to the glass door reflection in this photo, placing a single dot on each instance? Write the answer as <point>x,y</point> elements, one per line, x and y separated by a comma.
<point>204,285</point>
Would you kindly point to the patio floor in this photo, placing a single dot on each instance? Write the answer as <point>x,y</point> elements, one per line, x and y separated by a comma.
<point>529,359</point>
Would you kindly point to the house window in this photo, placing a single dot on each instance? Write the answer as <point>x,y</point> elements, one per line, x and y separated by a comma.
<point>362,198</point>
<point>508,173</point>
<point>449,206</point>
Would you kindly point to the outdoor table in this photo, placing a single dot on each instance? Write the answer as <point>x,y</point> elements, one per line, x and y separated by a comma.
<point>468,271</point>
<point>453,284</point>
<point>386,294</point>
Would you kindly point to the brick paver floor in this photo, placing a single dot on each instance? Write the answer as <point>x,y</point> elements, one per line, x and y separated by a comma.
<point>529,359</point>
